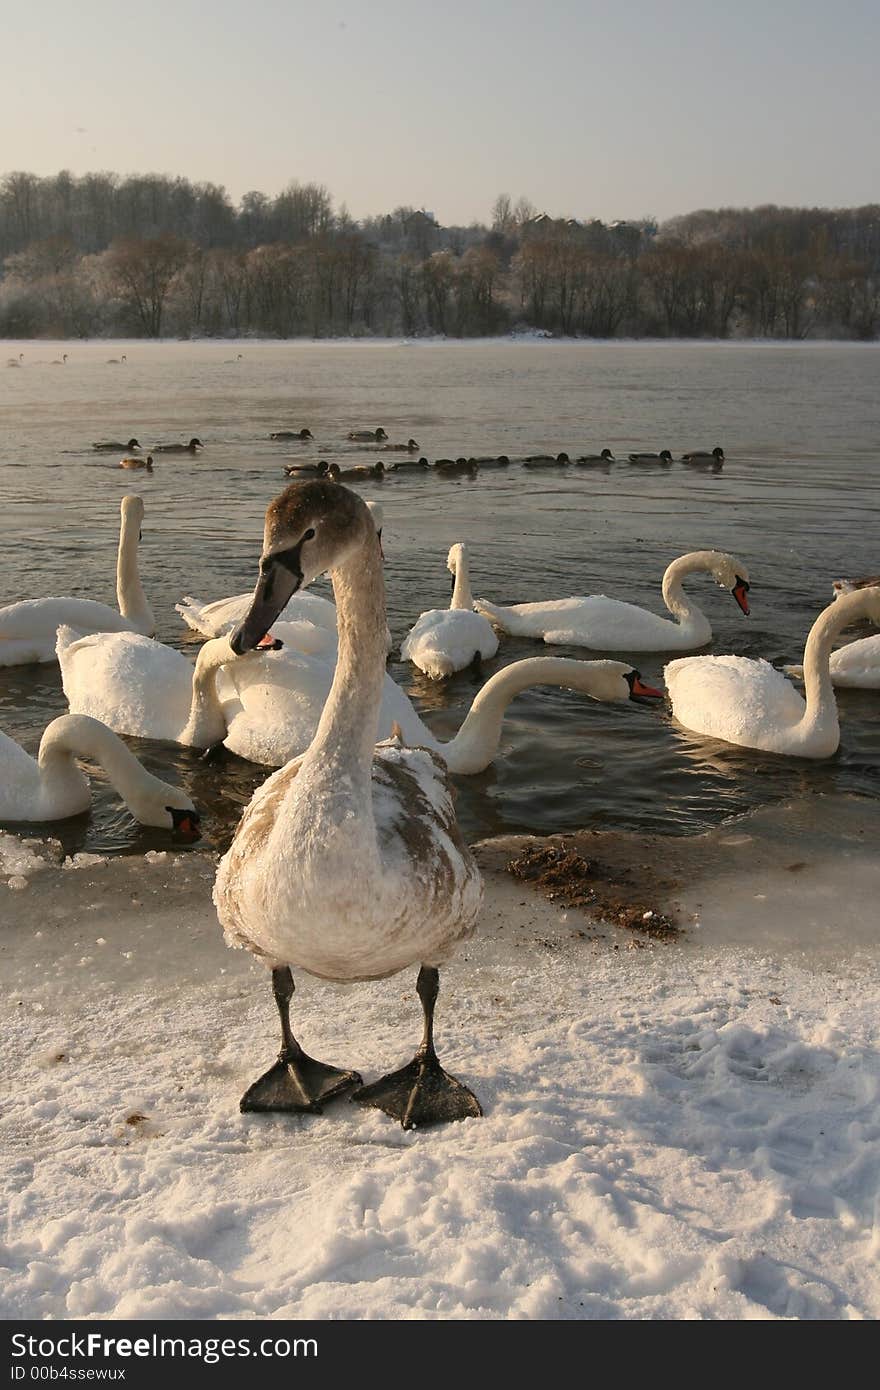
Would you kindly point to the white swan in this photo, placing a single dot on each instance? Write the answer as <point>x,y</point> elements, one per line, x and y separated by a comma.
<point>140,687</point>
<point>445,640</point>
<point>220,617</point>
<point>854,667</point>
<point>607,624</point>
<point>347,863</point>
<point>52,786</point>
<point>751,704</point>
<point>28,628</point>
<point>281,697</point>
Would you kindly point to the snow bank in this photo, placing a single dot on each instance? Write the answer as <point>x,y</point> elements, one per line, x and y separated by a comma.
<point>684,1130</point>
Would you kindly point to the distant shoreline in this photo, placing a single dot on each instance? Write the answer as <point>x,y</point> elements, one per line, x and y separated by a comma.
<point>512,339</point>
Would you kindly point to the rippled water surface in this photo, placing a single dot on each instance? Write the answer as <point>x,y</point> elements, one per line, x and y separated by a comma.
<point>797,500</point>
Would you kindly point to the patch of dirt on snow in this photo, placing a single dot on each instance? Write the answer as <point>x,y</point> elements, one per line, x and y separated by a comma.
<point>612,892</point>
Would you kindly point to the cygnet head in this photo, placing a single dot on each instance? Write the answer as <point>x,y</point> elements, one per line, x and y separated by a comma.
<point>310,528</point>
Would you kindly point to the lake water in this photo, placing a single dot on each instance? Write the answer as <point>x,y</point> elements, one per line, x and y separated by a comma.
<point>797,500</point>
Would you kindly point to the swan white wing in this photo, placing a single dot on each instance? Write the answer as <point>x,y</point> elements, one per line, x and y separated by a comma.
<point>427,887</point>
<point>858,664</point>
<point>217,618</point>
<point>131,683</point>
<point>280,699</point>
<point>605,624</point>
<point>445,640</point>
<point>28,628</point>
<point>734,698</point>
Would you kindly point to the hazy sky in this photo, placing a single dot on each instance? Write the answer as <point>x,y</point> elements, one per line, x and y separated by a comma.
<point>612,109</point>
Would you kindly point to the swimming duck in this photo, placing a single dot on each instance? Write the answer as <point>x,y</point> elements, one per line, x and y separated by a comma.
<point>402,464</point>
<point>459,465</point>
<point>664,456</point>
<point>378,435</point>
<point>607,624</point>
<point>303,434</point>
<point>585,460</point>
<point>28,628</point>
<point>446,640</point>
<point>491,461</point>
<point>191,448</point>
<point>146,463</point>
<point>410,447</point>
<point>52,786</point>
<point>321,469</point>
<point>545,461</point>
<point>363,470</point>
<point>116,446</point>
<point>704,456</point>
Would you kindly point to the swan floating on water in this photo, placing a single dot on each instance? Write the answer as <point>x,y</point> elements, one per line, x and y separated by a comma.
<point>142,688</point>
<point>52,786</point>
<point>751,704</point>
<point>445,640</point>
<point>220,617</point>
<point>348,863</point>
<point>280,700</point>
<point>28,628</point>
<point>853,667</point>
<point>608,624</point>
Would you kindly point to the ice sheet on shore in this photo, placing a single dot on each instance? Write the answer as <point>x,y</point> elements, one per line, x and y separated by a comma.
<point>684,1130</point>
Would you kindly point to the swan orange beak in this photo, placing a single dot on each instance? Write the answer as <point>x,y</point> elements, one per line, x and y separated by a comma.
<point>185,825</point>
<point>739,591</point>
<point>638,690</point>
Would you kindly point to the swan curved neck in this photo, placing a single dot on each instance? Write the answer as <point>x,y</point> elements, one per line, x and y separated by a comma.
<point>461,593</point>
<point>686,613</point>
<point>207,722</point>
<point>130,596</point>
<point>345,739</point>
<point>821,712</point>
<point>79,736</point>
<point>476,742</point>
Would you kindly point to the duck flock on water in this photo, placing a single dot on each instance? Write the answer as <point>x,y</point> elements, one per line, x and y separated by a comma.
<point>348,862</point>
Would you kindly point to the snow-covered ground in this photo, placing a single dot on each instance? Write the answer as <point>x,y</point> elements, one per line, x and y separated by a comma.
<point>686,1130</point>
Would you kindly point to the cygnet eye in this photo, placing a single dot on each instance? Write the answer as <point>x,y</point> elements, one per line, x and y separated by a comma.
<point>309,535</point>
